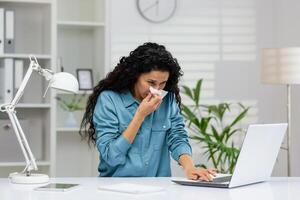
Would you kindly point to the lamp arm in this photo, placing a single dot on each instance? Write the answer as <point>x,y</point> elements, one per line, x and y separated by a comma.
<point>34,66</point>
<point>29,158</point>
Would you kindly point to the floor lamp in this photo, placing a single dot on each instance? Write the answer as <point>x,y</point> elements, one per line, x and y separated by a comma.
<point>282,66</point>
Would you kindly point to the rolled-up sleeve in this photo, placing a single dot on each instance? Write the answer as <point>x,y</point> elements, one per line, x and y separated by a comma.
<point>177,135</point>
<point>111,144</point>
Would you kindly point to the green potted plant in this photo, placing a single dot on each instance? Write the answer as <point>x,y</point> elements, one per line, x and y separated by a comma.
<point>209,128</point>
<point>70,106</point>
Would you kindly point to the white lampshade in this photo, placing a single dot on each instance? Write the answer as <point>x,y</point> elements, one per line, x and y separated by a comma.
<point>64,81</point>
<point>281,65</point>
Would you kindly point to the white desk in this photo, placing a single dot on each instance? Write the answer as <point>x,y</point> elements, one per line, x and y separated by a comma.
<point>275,189</point>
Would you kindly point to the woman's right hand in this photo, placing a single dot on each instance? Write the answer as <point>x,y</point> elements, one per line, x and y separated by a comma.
<point>149,104</point>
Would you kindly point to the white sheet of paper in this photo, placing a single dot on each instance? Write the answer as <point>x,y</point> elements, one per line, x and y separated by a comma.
<point>131,188</point>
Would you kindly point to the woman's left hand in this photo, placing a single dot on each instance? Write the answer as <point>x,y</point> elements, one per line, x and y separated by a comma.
<point>195,173</point>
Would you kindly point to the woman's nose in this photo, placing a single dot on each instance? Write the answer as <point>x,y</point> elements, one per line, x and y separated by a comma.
<point>156,87</point>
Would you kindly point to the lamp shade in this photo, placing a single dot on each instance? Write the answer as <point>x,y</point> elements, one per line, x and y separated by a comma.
<point>281,65</point>
<point>64,81</point>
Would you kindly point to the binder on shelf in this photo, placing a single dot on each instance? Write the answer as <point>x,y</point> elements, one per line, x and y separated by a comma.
<point>19,68</point>
<point>8,79</point>
<point>1,31</point>
<point>1,82</point>
<point>9,42</point>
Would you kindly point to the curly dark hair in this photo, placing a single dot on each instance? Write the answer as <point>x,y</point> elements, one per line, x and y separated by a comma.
<point>145,58</point>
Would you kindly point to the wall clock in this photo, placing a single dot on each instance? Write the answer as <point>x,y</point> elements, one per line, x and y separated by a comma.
<point>156,11</point>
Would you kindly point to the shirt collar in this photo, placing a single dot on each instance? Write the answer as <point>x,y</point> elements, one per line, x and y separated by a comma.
<point>128,99</point>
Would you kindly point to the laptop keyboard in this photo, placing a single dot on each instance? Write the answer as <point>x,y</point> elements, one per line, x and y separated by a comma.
<point>222,179</point>
<point>219,180</point>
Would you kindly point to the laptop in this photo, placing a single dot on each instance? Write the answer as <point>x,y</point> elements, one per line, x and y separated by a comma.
<point>256,159</point>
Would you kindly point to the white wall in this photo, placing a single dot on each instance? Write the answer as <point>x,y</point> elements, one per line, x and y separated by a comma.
<point>221,42</point>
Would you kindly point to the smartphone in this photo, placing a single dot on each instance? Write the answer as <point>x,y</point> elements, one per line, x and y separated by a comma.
<point>62,187</point>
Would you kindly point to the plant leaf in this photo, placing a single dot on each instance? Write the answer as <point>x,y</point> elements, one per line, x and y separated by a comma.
<point>187,91</point>
<point>197,92</point>
<point>215,133</point>
<point>240,116</point>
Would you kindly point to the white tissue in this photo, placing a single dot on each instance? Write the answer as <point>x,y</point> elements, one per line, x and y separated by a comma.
<point>161,93</point>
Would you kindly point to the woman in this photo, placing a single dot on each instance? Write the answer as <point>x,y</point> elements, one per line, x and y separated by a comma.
<point>134,130</point>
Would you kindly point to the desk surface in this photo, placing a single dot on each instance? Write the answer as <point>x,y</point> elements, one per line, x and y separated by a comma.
<point>275,189</point>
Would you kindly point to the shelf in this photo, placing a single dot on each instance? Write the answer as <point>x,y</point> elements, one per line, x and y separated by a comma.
<point>24,56</point>
<point>33,105</point>
<point>10,164</point>
<point>66,129</point>
<point>28,1</point>
<point>80,42</point>
<point>79,92</point>
<point>80,24</point>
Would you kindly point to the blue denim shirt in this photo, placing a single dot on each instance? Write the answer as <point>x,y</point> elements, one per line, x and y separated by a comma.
<point>162,132</point>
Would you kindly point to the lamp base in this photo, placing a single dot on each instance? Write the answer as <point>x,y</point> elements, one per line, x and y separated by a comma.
<point>20,178</point>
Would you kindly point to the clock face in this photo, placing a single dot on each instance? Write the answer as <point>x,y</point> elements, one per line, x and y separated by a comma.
<point>156,11</point>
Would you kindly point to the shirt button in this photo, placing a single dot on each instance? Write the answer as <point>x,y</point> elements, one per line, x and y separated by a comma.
<point>146,163</point>
<point>164,126</point>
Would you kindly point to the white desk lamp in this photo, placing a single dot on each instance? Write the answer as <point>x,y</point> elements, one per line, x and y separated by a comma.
<point>61,81</point>
<point>282,66</point>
